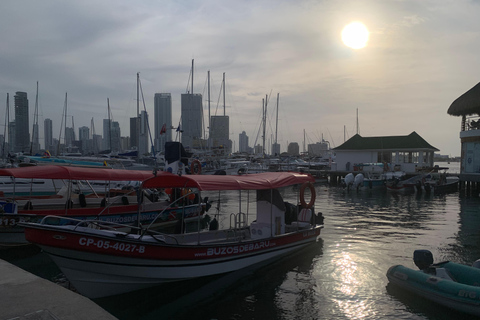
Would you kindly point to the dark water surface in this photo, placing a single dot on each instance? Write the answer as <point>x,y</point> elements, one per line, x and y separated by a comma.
<point>342,276</point>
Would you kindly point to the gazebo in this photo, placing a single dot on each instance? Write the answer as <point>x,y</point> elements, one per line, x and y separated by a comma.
<point>468,107</point>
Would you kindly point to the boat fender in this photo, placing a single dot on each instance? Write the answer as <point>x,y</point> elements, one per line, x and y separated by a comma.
<point>196,167</point>
<point>103,203</point>
<point>82,200</point>
<point>302,195</point>
<point>213,224</point>
<point>124,200</point>
<point>28,206</point>
<point>69,204</point>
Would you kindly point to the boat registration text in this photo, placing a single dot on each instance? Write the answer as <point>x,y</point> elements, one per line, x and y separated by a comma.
<point>119,246</point>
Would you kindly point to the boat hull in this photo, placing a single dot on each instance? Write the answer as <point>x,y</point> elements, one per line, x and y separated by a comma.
<point>455,295</point>
<point>100,264</point>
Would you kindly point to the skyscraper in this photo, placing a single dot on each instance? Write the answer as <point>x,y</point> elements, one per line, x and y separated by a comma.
<point>243,142</point>
<point>143,134</point>
<point>219,132</point>
<point>107,124</point>
<point>192,116</point>
<point>22,136</point>
<point>163,117</point>
<point>48,133</point>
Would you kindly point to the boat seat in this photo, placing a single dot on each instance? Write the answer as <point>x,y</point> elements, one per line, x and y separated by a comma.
<point>444,274</point>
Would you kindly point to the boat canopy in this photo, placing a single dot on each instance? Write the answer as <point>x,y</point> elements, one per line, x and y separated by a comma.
<point>76,173</point>
<point>259,181</point>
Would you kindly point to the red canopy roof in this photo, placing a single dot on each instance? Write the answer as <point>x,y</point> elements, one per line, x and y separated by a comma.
<point>76,173</point>
<point>267,180</point>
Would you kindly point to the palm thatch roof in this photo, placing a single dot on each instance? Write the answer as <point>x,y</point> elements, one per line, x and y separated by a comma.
<point>467,104</point>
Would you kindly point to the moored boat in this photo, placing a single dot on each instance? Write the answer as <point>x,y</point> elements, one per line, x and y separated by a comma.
<point>450,284</point>
<point>113,205</point>
<point>102,262</point>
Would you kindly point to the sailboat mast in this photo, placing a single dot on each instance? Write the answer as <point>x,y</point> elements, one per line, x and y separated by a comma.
<point>209,103</point>
<point>109,126</point>
<point>264,122</point>
<point>192,78</point>
<point>224,94</point>
<point>276,124</point>
<point>35,121</point>
<point>6,129</point>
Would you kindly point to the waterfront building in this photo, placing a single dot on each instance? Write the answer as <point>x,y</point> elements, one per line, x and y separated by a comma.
<point>163,119</point>
<point>467,106</point>
<point>293,149</point>
<point>409,153</point>
<point>48,134</point>
<point>22,135</point>
<point>192,119</point>
<point>243,142</point>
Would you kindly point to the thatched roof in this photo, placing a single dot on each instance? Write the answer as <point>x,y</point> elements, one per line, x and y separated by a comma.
<point>468,103</point>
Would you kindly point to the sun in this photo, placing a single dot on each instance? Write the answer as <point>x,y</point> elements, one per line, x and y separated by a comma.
<point>355,35</point>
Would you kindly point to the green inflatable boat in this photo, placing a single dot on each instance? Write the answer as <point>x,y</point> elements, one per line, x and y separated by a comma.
<point>453,285</point>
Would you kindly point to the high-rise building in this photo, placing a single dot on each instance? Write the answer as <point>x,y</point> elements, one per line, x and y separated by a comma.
<point>115,134</point>
<point>69,137</point>
<point>163,117</point>
<point>219,132</point>
<point>22,136</point>
<point>48,133</point>
<point>84,138</point>
<point>134,127</point>
<point>107,125</point>
<point>192,119</point>
<point>243,142</point>
<point>275,149</point>
<point>143,134</point>
<point>293,148</point>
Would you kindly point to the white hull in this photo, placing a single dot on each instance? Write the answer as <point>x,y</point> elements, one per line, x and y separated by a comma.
<point>96,276</point>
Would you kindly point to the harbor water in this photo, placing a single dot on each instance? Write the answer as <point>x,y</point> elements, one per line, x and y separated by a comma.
<point>342,276</point>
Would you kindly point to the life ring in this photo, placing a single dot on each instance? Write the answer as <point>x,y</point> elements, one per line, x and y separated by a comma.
<point>198,165</point>
<point>302,195</point>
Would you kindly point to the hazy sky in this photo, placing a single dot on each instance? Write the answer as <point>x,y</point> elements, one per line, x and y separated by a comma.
<point>420,57</point>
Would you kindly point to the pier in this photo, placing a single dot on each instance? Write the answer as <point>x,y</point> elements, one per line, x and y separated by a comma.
<point>26,296</point>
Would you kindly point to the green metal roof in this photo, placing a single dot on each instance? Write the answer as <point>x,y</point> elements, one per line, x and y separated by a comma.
<point>412,141</point>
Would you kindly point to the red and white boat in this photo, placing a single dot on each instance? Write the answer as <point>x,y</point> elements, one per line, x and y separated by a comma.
<point>101,262</point>
<point>113,205</point>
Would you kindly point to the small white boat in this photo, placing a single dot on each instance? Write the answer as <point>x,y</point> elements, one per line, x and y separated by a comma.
<point>101,262</point>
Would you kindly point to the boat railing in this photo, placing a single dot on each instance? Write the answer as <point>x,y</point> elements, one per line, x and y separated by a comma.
<point>107,225</point>
<point>172,204</point>
<point>239,220</point>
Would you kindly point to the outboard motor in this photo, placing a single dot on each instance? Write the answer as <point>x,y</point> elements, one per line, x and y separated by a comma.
<point>423,259</point>
<point>476,264</point>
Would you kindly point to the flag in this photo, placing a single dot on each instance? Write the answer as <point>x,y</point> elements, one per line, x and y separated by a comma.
<point>164,129</point>
<point>178,128</point>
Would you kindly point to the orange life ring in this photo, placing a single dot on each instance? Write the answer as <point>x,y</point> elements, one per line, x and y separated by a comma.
<point>302,195</point>
<point>198,165</point>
